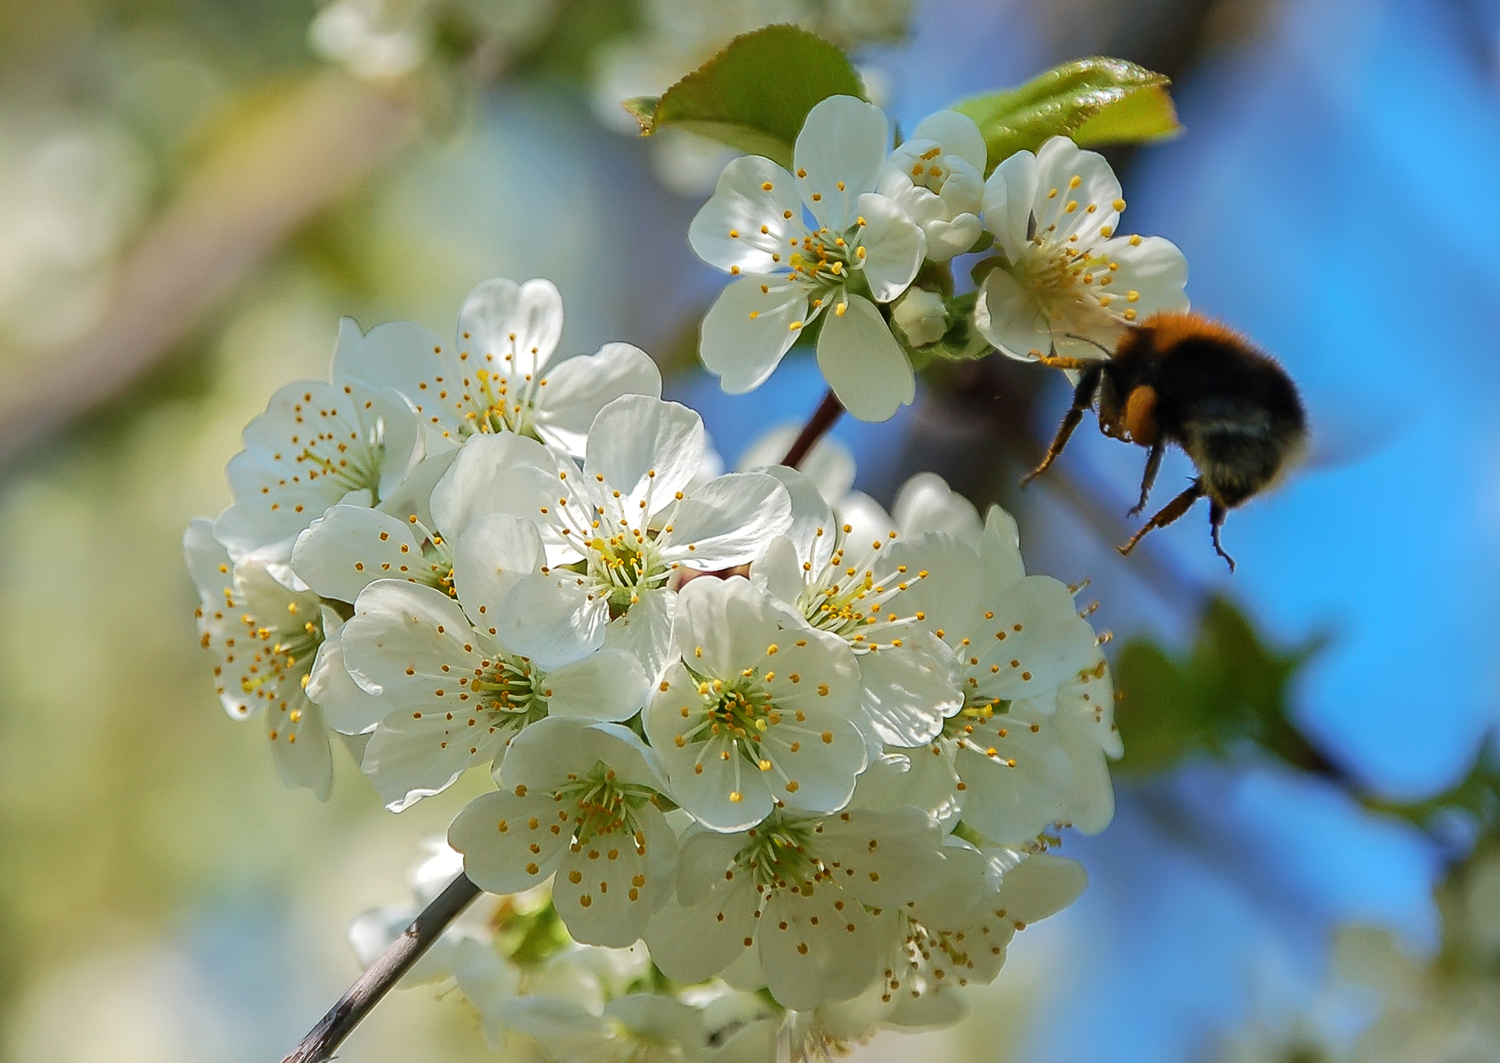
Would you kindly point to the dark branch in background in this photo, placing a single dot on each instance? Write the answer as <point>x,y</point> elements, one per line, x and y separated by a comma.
<point>383,974</point>
<point>817,426</point>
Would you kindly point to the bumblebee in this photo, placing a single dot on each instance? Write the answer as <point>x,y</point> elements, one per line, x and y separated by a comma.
<point>1184,379</point>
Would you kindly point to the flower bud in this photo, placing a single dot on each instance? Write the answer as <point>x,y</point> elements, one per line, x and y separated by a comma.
<point>921,316</point>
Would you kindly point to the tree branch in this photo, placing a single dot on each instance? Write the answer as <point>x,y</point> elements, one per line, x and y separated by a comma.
<point>817,426</point>
<point>382,975</point>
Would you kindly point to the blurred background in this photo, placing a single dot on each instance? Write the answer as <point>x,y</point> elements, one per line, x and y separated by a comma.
<point>1305,864</point>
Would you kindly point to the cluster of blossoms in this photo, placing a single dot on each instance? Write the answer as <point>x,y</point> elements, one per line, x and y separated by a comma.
<point>858,243</point>
<point>749,730</point>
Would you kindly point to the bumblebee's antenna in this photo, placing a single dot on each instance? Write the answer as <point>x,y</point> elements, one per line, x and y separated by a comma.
<point>1085,339</point>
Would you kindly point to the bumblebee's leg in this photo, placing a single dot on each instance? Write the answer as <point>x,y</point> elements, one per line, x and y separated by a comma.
<point>1153,463</point>
<point>1216,515</point>
<point>1168,513</point>
<point>1083,398</point>
<point>1054,361</point>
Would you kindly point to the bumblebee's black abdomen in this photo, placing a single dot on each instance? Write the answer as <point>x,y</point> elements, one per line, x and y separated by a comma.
<point>1233,410</point>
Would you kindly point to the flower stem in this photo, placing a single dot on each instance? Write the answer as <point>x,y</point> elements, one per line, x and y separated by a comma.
<point>817,425</point>
<point>368,990</point>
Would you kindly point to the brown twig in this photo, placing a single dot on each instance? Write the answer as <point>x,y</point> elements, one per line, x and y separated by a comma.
<point>817,426</point>
<point>383,974</point>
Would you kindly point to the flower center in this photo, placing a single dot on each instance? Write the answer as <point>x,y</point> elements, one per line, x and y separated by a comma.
<point>847,601</point>
<point>623,565</point>
<point>283,652</point>
<point>512,688</point>
<point>930,170</point>
<point>779,855</point>
<point>603,805</point>
<point>355,465</point>
<point>503,403</point>
<point>975,714</point>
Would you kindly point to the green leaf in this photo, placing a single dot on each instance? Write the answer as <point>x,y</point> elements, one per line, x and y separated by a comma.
<point>1095,101</point>
<point>1229,689</point>
<point>755,94</point>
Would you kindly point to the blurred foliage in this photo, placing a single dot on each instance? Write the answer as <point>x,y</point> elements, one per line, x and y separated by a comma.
<point>1230,688</point>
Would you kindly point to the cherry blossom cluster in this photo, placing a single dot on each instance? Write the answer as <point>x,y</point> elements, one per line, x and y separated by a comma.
<point>749,731</point>
<point>859,238</point>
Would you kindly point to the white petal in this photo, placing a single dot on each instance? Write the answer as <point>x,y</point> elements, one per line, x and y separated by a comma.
<point>1059,164</point>
<point>702,860</point>
<point>725,625</point>
<point>495,553</point>
<point>894,246</point>
<point>410,758</point>
<point>1009,197</point>
<point>926,503</point>
<point>1035,638</point>
<point>645,630</point>
<point>1041,886</point>
<point>1151,267</point>
<point>553,620</point>
<point>1001,551</point>
<point>350,547</point>
<point>1011,318</point>
<point>896,857</point>
<point>754,213</point>
<point>299,744</point>
<point>820,774</point>
<point>401,626</point>
<point>610,904</point>
<point>812,952</point>
<point>607,685</point>
<point>644,447</point>
<point>551,752</point>
<point>694,944</point>
<point>501,317</point>
<point>863,363</point>
<point>728,521</point>
<point>1016,794</point>
<point>476,483</point>
<point>751,325</point>
<point>346,707</point>
<point>812,529</point>
<point>495,835</point>
<point>778,571</point>
<point>957,133</point>
<point>396,355</point>
<point>837,156</point>
<point>948,239</point>
<point>866,519</point>
<point>573,392</point>
<point>907,691</point>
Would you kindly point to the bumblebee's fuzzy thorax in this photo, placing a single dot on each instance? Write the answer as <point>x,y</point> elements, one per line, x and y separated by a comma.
<point>1183,379</point>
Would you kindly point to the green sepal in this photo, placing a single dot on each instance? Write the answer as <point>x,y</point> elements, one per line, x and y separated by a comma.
<point>1097,100</point>
<point>756,93</point>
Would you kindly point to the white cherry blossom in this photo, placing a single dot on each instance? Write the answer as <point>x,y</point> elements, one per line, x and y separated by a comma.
<point>937,177</point>
<point>265,637</point>
<point>454,695</point>
<point>842,583</point>
<point>860,249</point>
<point>634,518</point>
<point>1064,281</point>
<point>808,894</point>
<point>756,713</point>
<point>1019,640</point>
<point>958,933</point>
<point>317,444</point>
<point>498,375</point>
<point>577,799</point>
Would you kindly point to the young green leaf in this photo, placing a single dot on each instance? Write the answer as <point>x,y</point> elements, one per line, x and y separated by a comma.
<point>1095,101</point>
<point>755,94</point>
